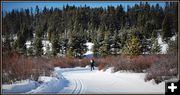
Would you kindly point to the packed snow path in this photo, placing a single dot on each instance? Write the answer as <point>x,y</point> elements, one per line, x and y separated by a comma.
<point>83,81</point>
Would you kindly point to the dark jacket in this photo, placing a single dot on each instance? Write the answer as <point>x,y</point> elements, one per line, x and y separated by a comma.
<point>92,63</point>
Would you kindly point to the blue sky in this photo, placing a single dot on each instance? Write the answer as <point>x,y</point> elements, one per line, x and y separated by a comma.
<point>8,6</point>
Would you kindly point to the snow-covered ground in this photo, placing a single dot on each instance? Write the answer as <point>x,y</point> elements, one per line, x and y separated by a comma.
<point>20,87</point>
<point>82,80</point>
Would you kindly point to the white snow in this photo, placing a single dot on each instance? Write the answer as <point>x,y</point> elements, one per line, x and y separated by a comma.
<point>45,44</point>
<point>99,82</point>
<point>89,53</point>
<point>28,44</point>
<point>49,85</point>
<point>88,66</point>
<point>45,79</point>
<point>163,45</point>
<point>19,87</point>
<point>89,45</point>
<point>173,38</point>
<point>83,81</point>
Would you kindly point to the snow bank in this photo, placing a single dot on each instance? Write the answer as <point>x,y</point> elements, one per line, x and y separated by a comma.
<point>88,66</point>
<point>45,84</point>
<point>45,79</point>
<point>20,87</point>
<point>51,84</point>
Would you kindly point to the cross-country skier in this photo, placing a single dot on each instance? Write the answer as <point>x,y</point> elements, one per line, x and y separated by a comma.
<point>92,64</point>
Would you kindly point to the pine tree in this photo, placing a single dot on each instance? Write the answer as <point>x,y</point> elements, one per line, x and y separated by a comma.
<point>155,49</point>
<point>55,44</point>
<point>76,43</point>
<point>70,52</point>
<point>7,43</point>
<point>145,45</point>
<point>48,51</point>
<point>149,28</point>
<point>133,46</point>
<point>105,48</point>
<point>69,44</point>
<point>166,29</point>
<point>38,46</point>
<point>63,45</point>
<point>100,34</point>
<point>21,39</point>
<point>79,44</point>
<point>115,43</point>
<point>85,23</point>
<point>122,38</point>
<point>30,50</point>
<point>173,45</point>
<point>96,48</point>
<point>49,33</point>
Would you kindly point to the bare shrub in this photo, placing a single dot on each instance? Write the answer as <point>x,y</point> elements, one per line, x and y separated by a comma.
<point>122,62</point>
<point>69,62</point>
<point>102,63</point>
<point>142,62</point>
<point>60,62</point>
<point>163,69</point>
<point>83,62</point>
<point>18,67</point>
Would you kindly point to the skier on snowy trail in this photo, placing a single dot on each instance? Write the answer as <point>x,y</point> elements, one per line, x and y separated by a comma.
<point>92,64</point>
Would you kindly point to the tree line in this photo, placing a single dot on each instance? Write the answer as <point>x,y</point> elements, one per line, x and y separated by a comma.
<point>113,30</point>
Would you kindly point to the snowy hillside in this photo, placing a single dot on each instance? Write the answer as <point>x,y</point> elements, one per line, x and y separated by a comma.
<point>83,81</point>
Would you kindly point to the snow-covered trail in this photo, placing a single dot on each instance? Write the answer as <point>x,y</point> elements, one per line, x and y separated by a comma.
<point>84,81</point>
